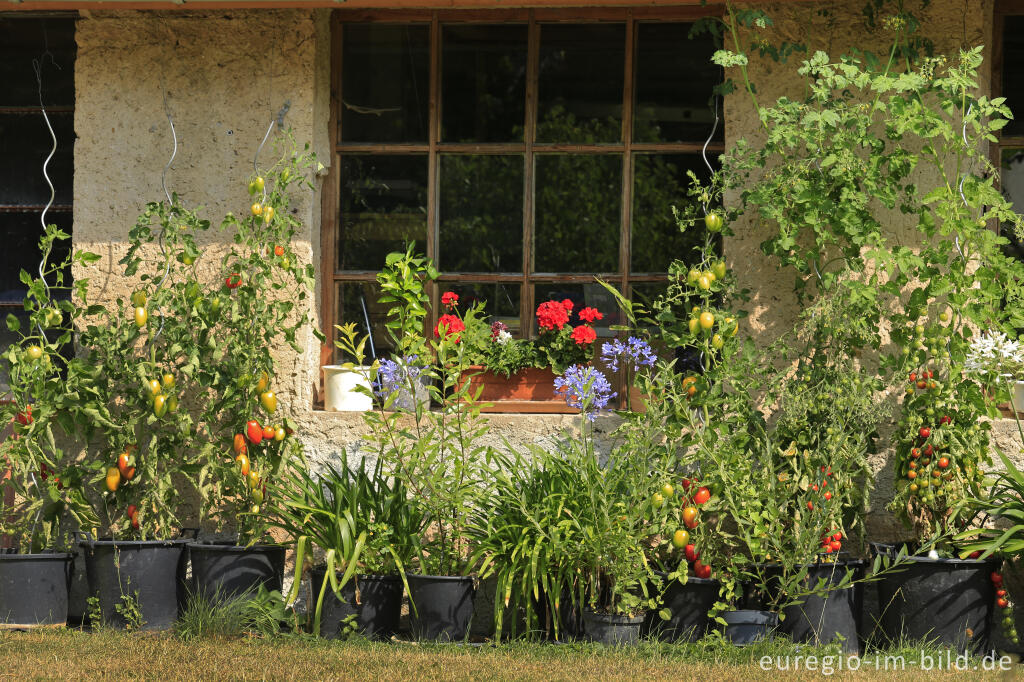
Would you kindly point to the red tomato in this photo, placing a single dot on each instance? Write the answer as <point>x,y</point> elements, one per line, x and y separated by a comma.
<point>810,505</point>
<point>702,496</point>
<point>922,384</point>
<point>943,462</point>
<point>835,545</point>
<point>233,281</point>
<point>278,250</point>
<point>924,432</point>
<point>1002,603</point>
<point>238,444</point>
<point>945,420</point>
<point>913,377</point>
<point>838,535</point>
<point>25,418</point>
<point>915,453</point>
<point>254,431</point>
<point>691,552</point>
<point>928,450</point>
<point>703,572</point>
<point>131,510</point>
<point>827,548</point>
<point>1000,593</point>
<point>828,496</point>
<point>997,579</point>
<point>268,432</point>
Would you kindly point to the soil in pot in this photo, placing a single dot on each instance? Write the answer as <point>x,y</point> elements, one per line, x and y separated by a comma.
<point>371,605</point>
<point>688,605</point>
<point>441,608</point>
<point>748,626</point>
<point>139,584</point>
<point>946,600</point>
<point>612,629</point>
<point>223,571</point>
<point>34,589</point>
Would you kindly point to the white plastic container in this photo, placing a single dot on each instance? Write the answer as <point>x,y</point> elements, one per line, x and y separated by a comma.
<point>340,394</point>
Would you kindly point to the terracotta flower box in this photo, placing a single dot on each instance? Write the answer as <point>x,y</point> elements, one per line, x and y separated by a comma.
<point>529,390</point>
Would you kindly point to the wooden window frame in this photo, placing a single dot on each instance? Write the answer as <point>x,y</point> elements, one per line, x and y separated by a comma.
<point>434,148</point>
<point>1002,10</point>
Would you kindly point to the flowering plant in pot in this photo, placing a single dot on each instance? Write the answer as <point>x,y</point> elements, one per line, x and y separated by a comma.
<point>362,522</point>
<point>442,459</point>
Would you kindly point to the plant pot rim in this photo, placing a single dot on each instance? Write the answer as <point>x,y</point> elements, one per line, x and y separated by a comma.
<point>734,616</point>
<point>439,577</point>
<point>140,544</point>
<point>615,617</point>
<point>212,545</point>
<point>39,556</point>
<point>917,558</point>
<point>689,580</point>
<point>389,577</point>
<point>343,368</point>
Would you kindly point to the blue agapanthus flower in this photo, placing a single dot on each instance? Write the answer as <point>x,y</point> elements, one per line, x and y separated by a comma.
<point>635,351</point>
<point>393,376</point>
<point>585,389</point>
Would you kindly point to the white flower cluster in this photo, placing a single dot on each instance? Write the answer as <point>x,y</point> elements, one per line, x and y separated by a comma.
<point>996,355</point>
<point>503,337</point>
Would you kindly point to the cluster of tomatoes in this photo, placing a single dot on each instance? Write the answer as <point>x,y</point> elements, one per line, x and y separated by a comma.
<point>825,494</point>
<point>704,322</point>
<point>123,470</point>
<point>926,466</point>
<point>1003,602</point>
<point>832,542</point>
<point>162,397</point>
<point>255,434</point>
<point>681,537</point>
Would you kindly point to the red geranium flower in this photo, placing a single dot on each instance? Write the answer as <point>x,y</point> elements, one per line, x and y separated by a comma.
<point>449,299</point>
<point>552,314</point>
<point>584,334</point>
<point>590,314</point>
<point>567,304</point>
<point>451,325</point>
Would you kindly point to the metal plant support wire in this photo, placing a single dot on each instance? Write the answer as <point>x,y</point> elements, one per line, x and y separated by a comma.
<point>167,194</point>
<point>967,171</point>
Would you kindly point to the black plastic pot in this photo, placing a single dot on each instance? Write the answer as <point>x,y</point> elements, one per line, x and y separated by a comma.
<point>611,629</point>
<point>570,617</point>
<point>34,589</point>
<point>833,616</point>
<point>377,606</point>
<point>944,600</point>
<point>748,626</point>
<point>148,575</point>
<point>78,593</point>
<point>442,607</point>
<point>222,571</point>
<point>688,604</point>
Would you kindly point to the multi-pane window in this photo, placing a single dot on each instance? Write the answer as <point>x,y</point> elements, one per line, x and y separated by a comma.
<point>526,157</point>
<point>31,45</point>
<point>1009,153</point>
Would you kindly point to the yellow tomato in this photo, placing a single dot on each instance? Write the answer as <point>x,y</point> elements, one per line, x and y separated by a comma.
<point>269,401</point>
<point>160,405</point>
<point>279,433</point>
<point>141,316</point>
<point>268,213</point>
<point>707,321</point>
<point>154,387</point>
<point>243,463</point>
<point>694,325</point>
<point>167,380</point>
<point>263,382</point>
<point>256,209</point>
<point>113,478</point>
<point>680,539</point>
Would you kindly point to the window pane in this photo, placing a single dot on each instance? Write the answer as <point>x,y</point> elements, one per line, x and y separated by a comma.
<point>582,295</point>
<point>483,83</point>
<point>1013,73</point>
<point>578,200</point>
<point>351,297</point>
<point>20,233</point>
<point>25,40</point>
<point>1013,189</point>
<point>383,205</point>
<point>481,214</point>
<point>659,183</point>
<point>385,83</point>
<point>25,143</point>
<point>674,82</point>
<point>580,83</point>
<point>500,299</point>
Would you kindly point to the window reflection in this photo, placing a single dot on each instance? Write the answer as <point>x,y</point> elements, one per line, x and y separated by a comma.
<point>500,300</point>
<point>578,213</point>
<point>383,205</point>
<point>1013,190</point>
<point>481,213</point>
<point>659,183</point>
<point>582,295</point>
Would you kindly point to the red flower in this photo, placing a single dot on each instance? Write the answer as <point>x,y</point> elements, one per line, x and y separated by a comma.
<point>584,334</point>
<point>590,314</point>
<point>552,314</point>
<point>451,325</point>
<point>449,299</point>
<point>567,304</point>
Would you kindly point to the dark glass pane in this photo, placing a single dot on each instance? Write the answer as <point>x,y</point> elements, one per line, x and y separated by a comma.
<point>1012,183</point>
<point>1013,73</point>
<point>483,83</point>
<point>358,302</point>
<point>20,233</point>
<point>383,205</point>
<point>500,299</point>
<point>23,41</point>
<point>580,83</point>
<point>578,200</point>
<point>25,143</point>
<point>481,214</point>
<point>385,83</point>
<point>674,82</point>
<point>582,296</point>
<point>659,183</point>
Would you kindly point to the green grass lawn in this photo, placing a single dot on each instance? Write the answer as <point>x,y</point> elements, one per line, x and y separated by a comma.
<point>73,654</point>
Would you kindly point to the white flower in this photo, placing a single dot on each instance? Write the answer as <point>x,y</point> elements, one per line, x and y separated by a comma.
<point>994,353</point>
<point>503,337</point>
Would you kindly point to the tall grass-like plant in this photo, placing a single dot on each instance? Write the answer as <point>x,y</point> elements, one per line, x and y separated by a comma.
<point>360,518</point>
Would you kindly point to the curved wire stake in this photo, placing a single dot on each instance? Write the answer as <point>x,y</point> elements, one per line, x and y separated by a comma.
<point>174,137</point>
<point>960,188</point>
<point>163,184</point>
<point>704,150</point>
<point>37,66</point>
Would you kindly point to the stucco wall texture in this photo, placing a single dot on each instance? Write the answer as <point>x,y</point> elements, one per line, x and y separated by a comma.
<point>226,74</point>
